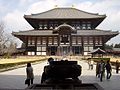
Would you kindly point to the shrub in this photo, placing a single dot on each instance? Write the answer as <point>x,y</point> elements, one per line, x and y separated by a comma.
<point>6,56</point>
<point>98,59</point>
<point>8,66</point>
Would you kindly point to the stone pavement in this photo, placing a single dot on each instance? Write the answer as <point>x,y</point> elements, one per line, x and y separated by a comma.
<point>14,79</point>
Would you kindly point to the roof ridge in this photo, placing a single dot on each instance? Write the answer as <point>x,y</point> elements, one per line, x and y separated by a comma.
<point>89,12</point>
<point>68,8</point>
<point>44,12</point>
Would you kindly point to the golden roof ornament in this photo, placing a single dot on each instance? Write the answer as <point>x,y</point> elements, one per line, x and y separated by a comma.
<point>56,6</point>
<point>73,5</point>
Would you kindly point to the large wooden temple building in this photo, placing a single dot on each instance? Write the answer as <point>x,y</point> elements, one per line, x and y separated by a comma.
<point>63,31</point>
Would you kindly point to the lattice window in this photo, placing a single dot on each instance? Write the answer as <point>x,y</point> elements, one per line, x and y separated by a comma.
<point>73,40</point>
<point>43,53</point>
<point>38,53</point>
<point>96,40</point>
<point>86,48</point>
<point>91,40</point>
<point>31,53</point>
<point>33,40</point>
<point>50,40</point>
<point>55,40</point>
<point>43,48</point>
<point>79,40</point>
<point>100,40</point>
<point>29,41</point>
<point>85,40</point>
<point>91,48</point>
<point>43,40</point>
<point>38,40</point>
<point>39,49</point>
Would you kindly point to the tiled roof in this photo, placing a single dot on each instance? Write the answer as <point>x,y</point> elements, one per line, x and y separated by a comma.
<point>116,49</point>
<point>98,51</point>
<point>64,13</point>
<point>50,32</point>
<point>96,32</point>
<point>34,33</point>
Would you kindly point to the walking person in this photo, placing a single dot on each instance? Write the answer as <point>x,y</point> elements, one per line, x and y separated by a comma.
<point>91,64</point>
<point>108,69</point>
<point>117,66</point>
<point>102,69</point>
<point>98,69</point>
<point>88,61</point>
<point>30,75</point>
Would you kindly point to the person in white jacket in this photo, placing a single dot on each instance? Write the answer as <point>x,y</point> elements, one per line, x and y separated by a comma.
<point>30,75</point>
<point>102,69</point>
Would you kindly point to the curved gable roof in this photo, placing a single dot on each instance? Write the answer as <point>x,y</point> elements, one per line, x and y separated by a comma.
<point>63,27</point>
<point>79,32</point>
<point>64,13</point>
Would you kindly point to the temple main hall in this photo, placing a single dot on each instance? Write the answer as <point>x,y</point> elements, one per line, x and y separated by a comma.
<point>64,31</point>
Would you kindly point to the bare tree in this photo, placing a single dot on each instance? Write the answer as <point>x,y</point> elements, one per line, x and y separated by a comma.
<point>3,38</point>
<point>12,48</point>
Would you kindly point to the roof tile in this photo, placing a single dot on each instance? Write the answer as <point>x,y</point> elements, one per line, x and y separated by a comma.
<point>66,13</point>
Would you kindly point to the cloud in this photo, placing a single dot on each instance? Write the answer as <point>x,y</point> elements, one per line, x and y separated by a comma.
<point>3,10</point>
<point>45,5</point>
<point>102,6</point>
<point>15,21</point>
<point>25,1</point>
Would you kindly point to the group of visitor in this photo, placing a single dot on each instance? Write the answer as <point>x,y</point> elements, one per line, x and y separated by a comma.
<point>100,69</point>
<point>102,66</point>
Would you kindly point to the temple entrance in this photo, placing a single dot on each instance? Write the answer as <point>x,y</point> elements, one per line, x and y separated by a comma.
<point>65,50</point>
<point>64,31</point>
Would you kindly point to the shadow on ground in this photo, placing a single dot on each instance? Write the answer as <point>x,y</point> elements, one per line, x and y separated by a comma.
<point>15,81</point>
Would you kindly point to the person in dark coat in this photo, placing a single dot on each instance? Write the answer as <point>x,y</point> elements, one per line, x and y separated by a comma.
<point>30,75</point>
<point>98,69</point>
<point>108,69</point>
<point>45,74</point>
<point>117,66</point>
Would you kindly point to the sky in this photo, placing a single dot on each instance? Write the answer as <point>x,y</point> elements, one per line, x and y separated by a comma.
<point>12,12</point>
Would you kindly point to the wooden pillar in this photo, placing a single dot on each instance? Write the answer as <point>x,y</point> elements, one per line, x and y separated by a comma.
<point>35,45</point>
<point>93,42</point>
<point>103,42</point>
<point>47,53</point>
<point>26,45</point>
<point>58,48</point>
<point>82,45</point>
<point>77,40</point>
<point>71,44</point>
<point>88,38</point>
